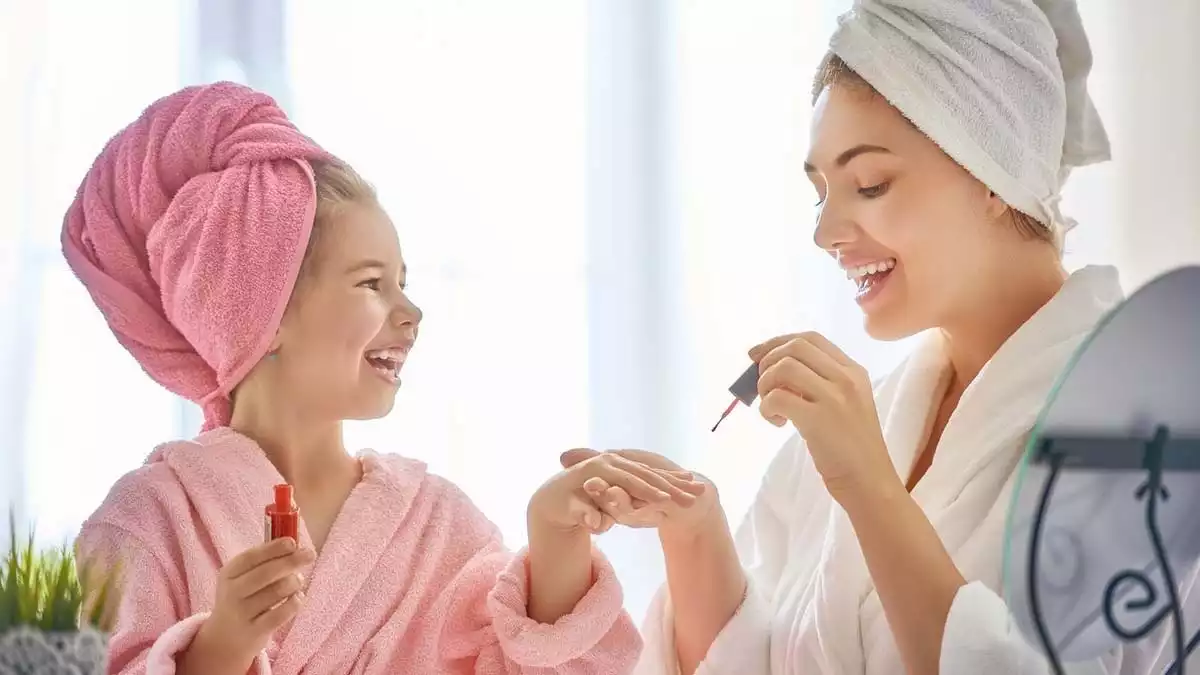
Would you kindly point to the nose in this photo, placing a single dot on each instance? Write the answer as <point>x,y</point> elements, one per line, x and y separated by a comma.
<point>406,314</point>
<point>835,229</point>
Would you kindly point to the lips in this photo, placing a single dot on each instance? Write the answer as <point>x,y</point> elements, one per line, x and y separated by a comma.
<point>387,362</point>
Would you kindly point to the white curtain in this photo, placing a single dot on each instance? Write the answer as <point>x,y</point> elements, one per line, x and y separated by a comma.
<point>601,202</point>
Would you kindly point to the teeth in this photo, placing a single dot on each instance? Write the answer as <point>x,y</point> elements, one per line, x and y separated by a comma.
<point>871,268</point>
<point>386,354</point>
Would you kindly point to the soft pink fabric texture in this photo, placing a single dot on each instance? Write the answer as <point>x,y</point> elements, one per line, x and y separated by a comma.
<point>189,230</point>
<point>412,579</point>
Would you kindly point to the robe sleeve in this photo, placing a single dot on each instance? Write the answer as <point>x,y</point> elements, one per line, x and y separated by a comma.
<point>486,626</point>
<point>982,637</point>
<point>743,645</point>
<point>150,630</point>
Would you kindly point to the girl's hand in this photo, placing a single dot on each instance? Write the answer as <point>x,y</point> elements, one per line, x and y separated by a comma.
<point>570,500</point>
<point>257,592</point>
<point>671,518</point>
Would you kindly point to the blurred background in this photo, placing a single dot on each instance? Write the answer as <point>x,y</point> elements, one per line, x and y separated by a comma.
<point>602,204</point>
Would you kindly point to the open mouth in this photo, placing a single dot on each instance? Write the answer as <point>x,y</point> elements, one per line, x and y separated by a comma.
<point>386,362</point>
<point>870,277</point>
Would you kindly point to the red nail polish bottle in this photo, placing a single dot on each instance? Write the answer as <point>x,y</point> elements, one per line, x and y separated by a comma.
<point>282,518</point>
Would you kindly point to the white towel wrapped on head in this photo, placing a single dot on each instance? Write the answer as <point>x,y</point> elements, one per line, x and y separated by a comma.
<point>1000,85</point>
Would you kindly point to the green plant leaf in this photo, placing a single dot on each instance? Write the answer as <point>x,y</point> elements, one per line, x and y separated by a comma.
<point>51,590</point>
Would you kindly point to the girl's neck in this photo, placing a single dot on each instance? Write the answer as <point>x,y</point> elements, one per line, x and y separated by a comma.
<point>304,449</point>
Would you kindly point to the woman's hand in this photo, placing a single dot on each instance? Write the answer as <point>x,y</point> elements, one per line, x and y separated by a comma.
<point>573,499</point>
<point>806,380</point>
<point>670,517</point>
<point>257,592</point>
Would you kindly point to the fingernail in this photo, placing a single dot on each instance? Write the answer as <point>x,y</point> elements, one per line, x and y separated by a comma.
<point>612,505</point>
<point>663,495</point>
<point>300,578</point>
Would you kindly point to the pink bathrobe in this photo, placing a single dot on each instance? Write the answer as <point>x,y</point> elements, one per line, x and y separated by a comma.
<point>412,578</point>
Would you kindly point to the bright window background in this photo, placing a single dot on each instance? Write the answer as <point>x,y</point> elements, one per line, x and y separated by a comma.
<point>469,117</point>
<point>79,412</point>
<point>601,202</point>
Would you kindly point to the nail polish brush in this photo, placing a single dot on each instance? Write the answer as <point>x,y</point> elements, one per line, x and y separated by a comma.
<point>744,390</point>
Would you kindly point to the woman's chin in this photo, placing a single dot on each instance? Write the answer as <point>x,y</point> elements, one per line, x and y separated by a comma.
<point>889,326</point>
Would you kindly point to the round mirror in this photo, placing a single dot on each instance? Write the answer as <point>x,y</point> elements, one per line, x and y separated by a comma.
<point>1105,520</point>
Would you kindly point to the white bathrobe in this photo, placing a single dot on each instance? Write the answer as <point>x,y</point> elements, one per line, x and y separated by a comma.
<point>811,608</point>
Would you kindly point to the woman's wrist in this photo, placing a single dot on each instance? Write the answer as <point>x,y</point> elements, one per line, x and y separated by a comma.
<point>694,532</point>
<point>884,496</point>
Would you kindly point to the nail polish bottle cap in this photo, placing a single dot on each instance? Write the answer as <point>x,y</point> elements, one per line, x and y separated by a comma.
<point>283,498</point>
<point>745,388</point>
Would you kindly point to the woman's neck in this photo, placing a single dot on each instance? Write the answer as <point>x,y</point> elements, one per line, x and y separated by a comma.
<point>975,336</point>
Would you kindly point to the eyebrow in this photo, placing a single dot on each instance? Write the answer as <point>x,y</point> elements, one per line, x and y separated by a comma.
<point>368,264</point>
<point>844,158</point>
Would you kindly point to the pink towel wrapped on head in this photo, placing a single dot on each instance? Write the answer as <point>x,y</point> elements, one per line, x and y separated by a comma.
<point>189,231</point>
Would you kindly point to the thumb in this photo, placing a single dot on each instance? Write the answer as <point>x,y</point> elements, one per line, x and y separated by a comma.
<point>585,513</point>
<point>572,457</point>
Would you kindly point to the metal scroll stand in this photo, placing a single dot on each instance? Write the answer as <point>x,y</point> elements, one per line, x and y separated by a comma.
<point>1104,530</point>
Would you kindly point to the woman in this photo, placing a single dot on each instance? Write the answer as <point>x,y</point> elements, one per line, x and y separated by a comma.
<point>251,272</point>
<point>941,134</point>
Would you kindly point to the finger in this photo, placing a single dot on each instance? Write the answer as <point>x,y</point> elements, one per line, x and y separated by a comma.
<point>780,405</point>
<point>823,343</point>
<point>685,481</point>
<point>273,594</point>
<point>630,481</point>
<point>252,558</point>
<point>795,377</point>
<point>633,512</point>
<point>595,486</point>
<point>657,480</point>
<point>585,512</point>
<point>268,573</point>
<point>618,502</point>
<point>271,620</point>
<point>650,459</point>
<point>758,351</point>
<point>810,354</point>
<point>574,456</point>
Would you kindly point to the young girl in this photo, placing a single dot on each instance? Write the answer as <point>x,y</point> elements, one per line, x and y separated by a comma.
<point>249,271</point>
<point>942,131</point>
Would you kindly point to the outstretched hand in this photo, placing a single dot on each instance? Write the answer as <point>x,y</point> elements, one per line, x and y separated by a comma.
<point>572,499</point>
<point>618,505</point>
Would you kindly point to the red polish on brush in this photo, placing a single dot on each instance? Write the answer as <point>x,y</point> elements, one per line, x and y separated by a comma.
<point>744,390</point>
<point>282,517</point>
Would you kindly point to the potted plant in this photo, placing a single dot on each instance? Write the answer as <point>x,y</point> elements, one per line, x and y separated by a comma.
<point>54,618</point>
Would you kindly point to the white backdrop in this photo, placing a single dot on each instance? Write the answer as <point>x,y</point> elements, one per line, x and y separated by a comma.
<point>601,201</point>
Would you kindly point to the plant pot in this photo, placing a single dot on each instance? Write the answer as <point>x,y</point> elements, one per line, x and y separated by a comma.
<point>28,651</point>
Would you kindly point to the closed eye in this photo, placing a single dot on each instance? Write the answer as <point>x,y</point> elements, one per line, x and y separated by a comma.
<point>874,191</point>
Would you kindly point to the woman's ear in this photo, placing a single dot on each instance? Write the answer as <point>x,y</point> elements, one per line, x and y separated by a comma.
<point>995,207</point>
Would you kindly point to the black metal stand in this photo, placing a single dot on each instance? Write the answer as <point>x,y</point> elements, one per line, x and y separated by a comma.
<point>1154,456</point>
